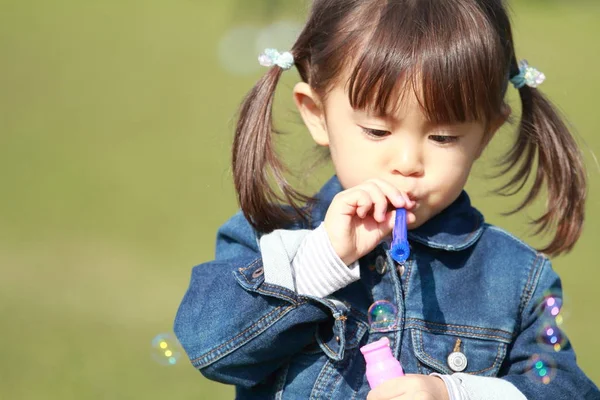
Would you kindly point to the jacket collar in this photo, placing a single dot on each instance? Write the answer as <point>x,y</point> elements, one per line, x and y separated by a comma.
<point>456,228</point>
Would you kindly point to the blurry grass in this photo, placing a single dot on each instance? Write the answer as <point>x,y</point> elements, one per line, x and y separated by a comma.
<point>114,163</point>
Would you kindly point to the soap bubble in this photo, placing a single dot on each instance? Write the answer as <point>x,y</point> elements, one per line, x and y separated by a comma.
<point>559,320</point>
<point>166,350</point>
<point>279,35</point>
<point>552,309</point>
<point>541,369</point>
<point>382,315</point>
<point>551,336</point>
<point>239,47</point>
<point>551,305</point>
<point>237,51</point>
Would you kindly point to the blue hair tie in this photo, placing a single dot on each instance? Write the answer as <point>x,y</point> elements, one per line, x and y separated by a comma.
<point>271,57</point>
<point>527,76</point>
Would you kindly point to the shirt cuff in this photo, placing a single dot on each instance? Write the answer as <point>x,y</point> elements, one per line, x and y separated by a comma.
<point>454,385</point>
<point>473,387</point>
<point>318,270</point>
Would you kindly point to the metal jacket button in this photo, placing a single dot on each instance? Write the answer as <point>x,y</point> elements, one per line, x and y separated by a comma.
<point>457,361</point>
<point>380,265</point>
<point>400,269</point>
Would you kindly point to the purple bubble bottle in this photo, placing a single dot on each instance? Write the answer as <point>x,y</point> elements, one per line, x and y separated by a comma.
<point>381,364</point>
<point>400,249</point>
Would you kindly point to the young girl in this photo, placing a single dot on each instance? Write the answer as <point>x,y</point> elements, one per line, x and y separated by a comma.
<point>406,94</point>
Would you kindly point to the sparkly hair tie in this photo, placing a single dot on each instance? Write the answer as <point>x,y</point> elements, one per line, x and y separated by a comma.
<point>271,57</point>
<point>527,76</point>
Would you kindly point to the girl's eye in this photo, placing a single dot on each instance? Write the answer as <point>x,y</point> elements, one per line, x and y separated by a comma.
<point>443,139</point>
<point>376,133</point>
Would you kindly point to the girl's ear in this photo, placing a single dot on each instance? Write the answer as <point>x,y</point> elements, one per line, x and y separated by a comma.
<point>494,126</point>
<point>311,109</point>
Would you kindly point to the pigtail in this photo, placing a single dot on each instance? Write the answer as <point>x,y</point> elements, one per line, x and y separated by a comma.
<point>560,166</point>
<point>255,161</point>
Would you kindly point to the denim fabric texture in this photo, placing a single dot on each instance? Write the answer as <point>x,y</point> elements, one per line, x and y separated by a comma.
<point>464,279</point>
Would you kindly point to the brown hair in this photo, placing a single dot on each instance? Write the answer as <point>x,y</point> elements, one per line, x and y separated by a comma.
<point>459,53</point>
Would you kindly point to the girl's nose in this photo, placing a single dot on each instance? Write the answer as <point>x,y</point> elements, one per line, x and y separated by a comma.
<point>408,160</point>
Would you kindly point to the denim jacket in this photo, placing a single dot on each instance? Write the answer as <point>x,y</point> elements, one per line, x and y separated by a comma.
<point>464,279</point>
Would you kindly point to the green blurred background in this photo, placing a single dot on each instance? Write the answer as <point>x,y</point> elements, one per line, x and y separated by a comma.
<point>116,122</point>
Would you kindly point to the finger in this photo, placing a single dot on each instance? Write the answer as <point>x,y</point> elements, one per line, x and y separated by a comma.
<point>391,190</point>
<point>409,203</point>
<point>380,200</point>
<point>388,198</point>
<point>352,202</point>
<point>395,196</point>
<point>364,203</point>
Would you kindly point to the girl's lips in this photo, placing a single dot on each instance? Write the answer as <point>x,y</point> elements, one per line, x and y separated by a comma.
<point>415,200</point>
<point>412,197</point>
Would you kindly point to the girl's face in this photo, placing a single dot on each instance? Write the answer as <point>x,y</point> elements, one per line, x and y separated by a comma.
<point>429,162</point>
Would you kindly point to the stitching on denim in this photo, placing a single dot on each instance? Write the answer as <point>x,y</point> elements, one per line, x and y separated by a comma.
<point>249,265</point>
<point>423,353</point>
<point>323,377</point>
<point>278,293</point>
<point>206,355</point>
<point>335,354</point>
<point>466,327</point>
<point>458,333</point>
<point>527,288</point>
<point>500,353</point>
<point>327,348</point>
<point>209,355</point>
<point>530,285</point>
<point>335,383</point>
<point>242,270</point>
<point>408,271</point>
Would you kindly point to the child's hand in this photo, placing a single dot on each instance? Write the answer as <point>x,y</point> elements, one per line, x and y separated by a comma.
<point>411,387</point>
<point>359,218</point>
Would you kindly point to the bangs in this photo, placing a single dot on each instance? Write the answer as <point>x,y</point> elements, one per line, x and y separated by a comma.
<point>445,51</point>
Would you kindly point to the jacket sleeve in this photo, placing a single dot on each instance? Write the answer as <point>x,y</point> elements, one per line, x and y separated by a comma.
<point>541,362</point>
<point>238,329</point>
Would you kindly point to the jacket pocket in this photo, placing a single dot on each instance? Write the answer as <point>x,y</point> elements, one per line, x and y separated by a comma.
<point>476,356</point>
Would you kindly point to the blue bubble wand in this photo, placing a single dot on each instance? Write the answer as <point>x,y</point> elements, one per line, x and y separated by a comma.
<point>400,249</point>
